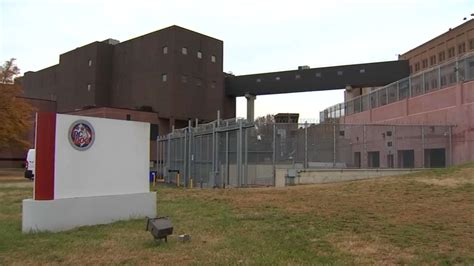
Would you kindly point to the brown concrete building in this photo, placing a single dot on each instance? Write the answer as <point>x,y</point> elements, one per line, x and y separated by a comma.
<point>175,73</point>
<point>165,78</point>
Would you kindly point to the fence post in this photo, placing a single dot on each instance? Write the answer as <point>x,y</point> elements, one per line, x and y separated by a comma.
<point>158,156</point>
<point>334,146</point>
<point>439,77</point>
<point>213,165</point>
<point>185,158</point>
<point>191,155</point>
<point>398,91</point>
<point>364,156</point>
<point>410,93</point>
<point>274,153</point>
<point>394,146</point>
<point>423,82</point>
<point>306,145</point>
<point>457,71</point>
<point>239,155</point>
<point>227,154</point>
<point>423,146</point>
<point>467,74</point>
<point>168,159</point>
<point>216,152</point>
<point>450,145</point>
<point>246,151</point>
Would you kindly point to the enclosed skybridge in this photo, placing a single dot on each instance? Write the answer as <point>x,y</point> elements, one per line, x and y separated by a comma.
<point>315,79</point>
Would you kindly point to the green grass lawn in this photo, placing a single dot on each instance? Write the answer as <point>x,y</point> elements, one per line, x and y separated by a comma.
<point>423,218</point>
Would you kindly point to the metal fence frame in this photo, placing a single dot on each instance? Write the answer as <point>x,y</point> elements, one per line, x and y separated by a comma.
<point>237,153</point>
<point>441,76</point>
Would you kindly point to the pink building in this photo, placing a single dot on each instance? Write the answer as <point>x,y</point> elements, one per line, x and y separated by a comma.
<point>439,91</point>
<point>452,105</point>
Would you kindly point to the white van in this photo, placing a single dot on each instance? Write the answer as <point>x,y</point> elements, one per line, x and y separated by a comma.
<point>30,164</point>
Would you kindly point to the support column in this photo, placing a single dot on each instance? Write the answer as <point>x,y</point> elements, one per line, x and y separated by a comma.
<point>250,107</point>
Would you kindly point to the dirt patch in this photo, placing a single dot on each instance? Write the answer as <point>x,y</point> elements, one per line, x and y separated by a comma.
<point>447,182</point>
<point>370,251</point>
<point>462,177</point>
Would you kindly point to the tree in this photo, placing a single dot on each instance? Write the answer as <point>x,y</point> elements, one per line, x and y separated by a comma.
<point>264,120</point>
<point>264,126</point>
<point>15,112</point>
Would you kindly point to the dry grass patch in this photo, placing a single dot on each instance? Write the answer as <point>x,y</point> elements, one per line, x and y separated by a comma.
<point>366,252</point>
<point>462,177</point>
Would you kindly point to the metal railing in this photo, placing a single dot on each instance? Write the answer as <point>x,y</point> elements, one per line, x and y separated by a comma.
<point>441,76</point>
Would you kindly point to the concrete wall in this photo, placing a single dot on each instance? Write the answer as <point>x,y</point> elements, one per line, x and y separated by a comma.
<point>263,175</point>
<point>313,176</point>
<point>253,174</point>
<point>101,183</point>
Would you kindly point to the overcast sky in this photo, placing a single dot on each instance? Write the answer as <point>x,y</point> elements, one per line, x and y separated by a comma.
<point>259,36</point>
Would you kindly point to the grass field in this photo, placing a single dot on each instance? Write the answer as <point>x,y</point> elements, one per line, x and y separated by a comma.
<point>424,218</point>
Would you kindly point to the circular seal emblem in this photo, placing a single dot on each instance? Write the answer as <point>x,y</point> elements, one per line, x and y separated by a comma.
<point>81,135</point>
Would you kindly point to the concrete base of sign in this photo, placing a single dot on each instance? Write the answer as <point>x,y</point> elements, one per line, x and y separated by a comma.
<point>63,214</point>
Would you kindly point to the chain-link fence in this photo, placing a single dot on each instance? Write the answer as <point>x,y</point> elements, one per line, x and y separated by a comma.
<point>237,153</point>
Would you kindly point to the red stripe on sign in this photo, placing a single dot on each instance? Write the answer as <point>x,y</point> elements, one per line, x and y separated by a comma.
<point>45,145</point>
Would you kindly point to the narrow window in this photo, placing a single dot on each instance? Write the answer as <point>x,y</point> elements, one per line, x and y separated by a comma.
<point>339,73</point>
<point>213,84</point>
<point>184,50</point>
<point>90,62</point>
<point>213,58</point>
<point>129,117</point>
<point>199,54</point>
<point>298,76</point>
<point>164,77</point>
<point>471,44</point>
<point>184,79</point>
<point>425,63</point>
<point>198,82</point>
<point>417,66</point>
<point>89,87</point>
<point>441,56</point>
<point>165,49</point>
<point>259,80</point>
<point>461,48</point>
<point>451,52</point>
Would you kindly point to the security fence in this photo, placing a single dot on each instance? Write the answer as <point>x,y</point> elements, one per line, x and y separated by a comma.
<point>237,153</point>
<point>436,78</point>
